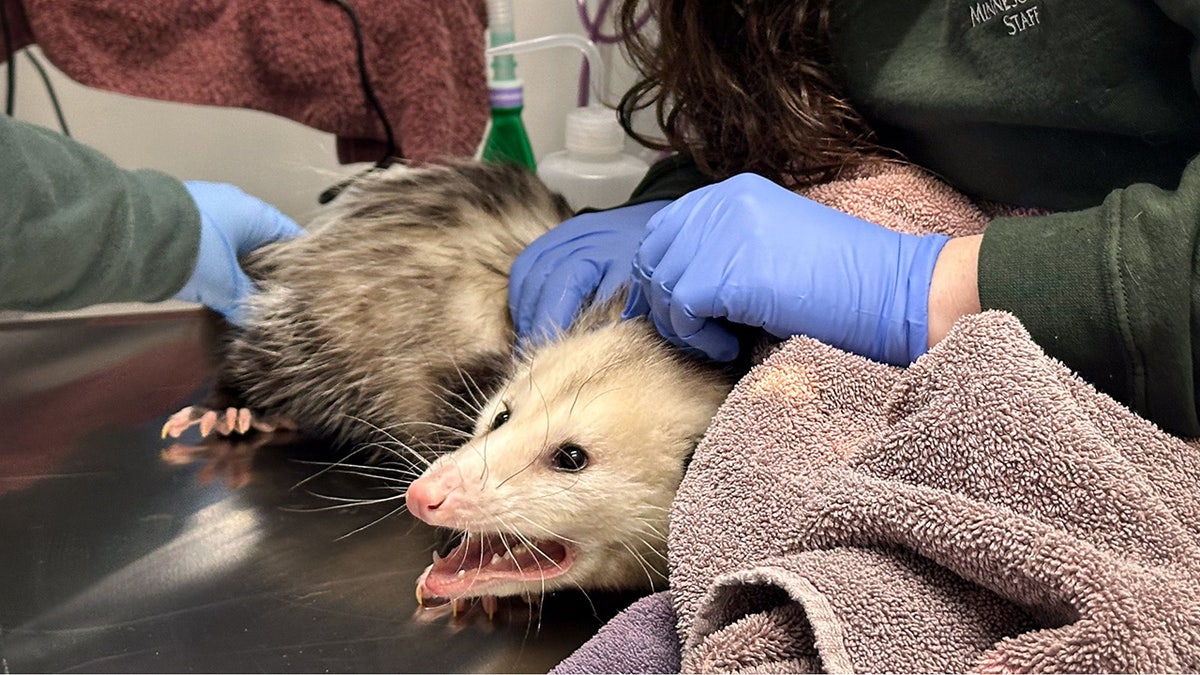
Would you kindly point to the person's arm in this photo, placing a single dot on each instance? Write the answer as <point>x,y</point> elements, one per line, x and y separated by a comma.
<point>77,230</point>
<point>954,290</point>
<point>1112,291</point>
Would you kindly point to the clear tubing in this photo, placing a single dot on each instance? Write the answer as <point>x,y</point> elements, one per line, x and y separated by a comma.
<point>501,32</point>
<point>589,49</point>
<point>500,19</point>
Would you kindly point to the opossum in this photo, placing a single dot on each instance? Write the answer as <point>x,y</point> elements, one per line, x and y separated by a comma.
<point>569,476</point>
<point>389,324</point>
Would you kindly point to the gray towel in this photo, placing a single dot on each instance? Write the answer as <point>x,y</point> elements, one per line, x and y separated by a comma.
<point>982,510</point>
<point>641,639</point>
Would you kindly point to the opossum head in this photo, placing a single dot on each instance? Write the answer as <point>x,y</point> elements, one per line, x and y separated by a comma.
<point>568,478</point>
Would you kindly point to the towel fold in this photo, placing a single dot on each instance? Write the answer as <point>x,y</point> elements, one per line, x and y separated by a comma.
<point>982,510</point>
<point>295,58</point>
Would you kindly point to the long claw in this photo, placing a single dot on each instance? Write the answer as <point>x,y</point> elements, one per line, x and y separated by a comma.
<point>243,420</point>
<point>208,421</point>
<point>178,423</point>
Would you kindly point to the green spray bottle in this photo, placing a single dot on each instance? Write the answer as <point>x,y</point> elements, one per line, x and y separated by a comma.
<point>507,140</point>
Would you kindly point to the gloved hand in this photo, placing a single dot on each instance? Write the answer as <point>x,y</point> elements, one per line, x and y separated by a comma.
<point>585,256</point>
<point>749,251</point>
<point>232,223</point>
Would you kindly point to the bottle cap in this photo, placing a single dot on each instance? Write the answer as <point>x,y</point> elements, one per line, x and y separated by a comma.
<point>506,93</point>
<point>594,130</point>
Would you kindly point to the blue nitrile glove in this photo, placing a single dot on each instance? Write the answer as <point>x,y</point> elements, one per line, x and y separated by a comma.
<point>749,251</point>
<point>589,255</point>
<point>232,223</point>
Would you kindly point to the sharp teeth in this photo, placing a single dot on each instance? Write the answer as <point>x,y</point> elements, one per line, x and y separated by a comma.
<point>420,596</point>
<point>520,549</point>
<point>495,558</point>
<point>461,574</point>
<point>490,603</point>
<point>436,558</point>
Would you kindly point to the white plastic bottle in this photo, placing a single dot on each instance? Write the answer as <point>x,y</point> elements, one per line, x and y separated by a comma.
<point>593,170</point>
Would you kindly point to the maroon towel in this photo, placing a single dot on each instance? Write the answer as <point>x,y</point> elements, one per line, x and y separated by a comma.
<point>294,58</point>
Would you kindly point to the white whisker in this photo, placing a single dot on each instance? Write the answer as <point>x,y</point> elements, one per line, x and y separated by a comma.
<point>377,520</point>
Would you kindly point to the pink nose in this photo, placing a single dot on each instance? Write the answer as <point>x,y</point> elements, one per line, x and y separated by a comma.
<point>424,497</point>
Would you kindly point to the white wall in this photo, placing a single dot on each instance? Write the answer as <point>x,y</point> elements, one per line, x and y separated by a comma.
<point>552,76</point>
<point>274,158</point>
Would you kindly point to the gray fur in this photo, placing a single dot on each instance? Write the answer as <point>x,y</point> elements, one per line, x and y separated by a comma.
<point>392,306</point>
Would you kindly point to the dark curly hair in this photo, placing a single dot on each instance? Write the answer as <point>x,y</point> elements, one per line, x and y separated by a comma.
<point>744,85</point>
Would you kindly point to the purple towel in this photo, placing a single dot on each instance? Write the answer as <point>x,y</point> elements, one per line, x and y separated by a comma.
<point>641,639</point>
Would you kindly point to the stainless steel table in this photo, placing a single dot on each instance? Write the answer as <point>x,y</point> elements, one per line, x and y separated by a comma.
<point>112,559</point>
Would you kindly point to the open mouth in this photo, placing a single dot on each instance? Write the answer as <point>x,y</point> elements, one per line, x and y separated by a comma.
<point>481,562</point>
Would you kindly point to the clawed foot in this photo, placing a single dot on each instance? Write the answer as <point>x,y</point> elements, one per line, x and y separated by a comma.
<point>230,421</point>
<point>227,452</point>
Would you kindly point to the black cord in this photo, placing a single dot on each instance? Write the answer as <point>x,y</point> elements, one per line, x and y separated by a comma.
<point>62,120</point>
<point>10,103</point>
<point>368,90</point>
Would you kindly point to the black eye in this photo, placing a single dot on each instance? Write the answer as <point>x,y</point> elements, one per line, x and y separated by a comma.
<point>570,458</point>
<point>501,418</point>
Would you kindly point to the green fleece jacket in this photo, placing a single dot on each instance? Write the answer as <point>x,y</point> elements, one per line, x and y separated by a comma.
<point>1088,108</point>
<point>76,229</point>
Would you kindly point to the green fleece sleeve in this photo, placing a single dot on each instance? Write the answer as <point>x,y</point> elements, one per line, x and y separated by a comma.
<point>77,230</point>
<point>1113,292</point>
